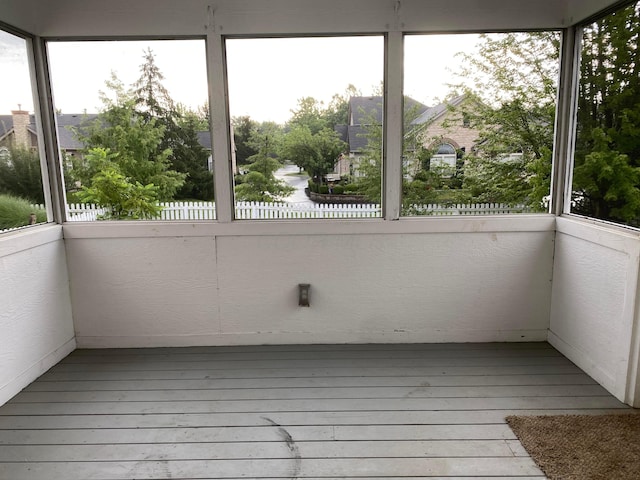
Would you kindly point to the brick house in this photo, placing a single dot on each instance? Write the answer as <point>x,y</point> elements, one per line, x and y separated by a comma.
<point>441,128</point>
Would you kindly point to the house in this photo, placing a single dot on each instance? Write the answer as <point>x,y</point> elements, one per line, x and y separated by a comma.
<point>445,130</point>
<point>557,291</point>
<point>441,128</point>
<point>18,129</point>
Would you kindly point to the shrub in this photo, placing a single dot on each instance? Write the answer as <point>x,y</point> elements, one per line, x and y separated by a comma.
<point>16,212</point>
<point>351,188</point>
<point>313,187</point>
<point>323,189</point>
<point>338,189</point>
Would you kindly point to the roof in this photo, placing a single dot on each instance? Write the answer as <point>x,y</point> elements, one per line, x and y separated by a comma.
<point>368,111</point>
<point>66,121</point>
<point>432,113</point>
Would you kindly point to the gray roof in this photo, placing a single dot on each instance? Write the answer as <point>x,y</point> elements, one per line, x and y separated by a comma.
<point>368,111</point>
<point>357,138</point>
<point>365,110</point>
<point>434,112</point>
<point>204,139</point>
<point>66,121</point>
<point>6,124</point>
<point>343,132</point>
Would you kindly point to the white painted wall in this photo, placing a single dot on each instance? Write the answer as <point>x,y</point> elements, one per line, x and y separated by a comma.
<point>401,283</point>
<point>594,317</point>
<point>36,326</point>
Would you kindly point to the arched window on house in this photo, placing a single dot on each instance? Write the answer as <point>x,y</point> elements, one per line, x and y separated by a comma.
<point>445,156</point>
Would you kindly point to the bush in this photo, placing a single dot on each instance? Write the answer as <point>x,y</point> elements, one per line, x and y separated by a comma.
<point>323,189</point>
<point>16,212</point>
<point>313,187</point>
<point>351,188</point>
<point>338,189</point>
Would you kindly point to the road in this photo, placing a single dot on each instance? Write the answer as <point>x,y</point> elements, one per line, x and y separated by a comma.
<point>299,182</point>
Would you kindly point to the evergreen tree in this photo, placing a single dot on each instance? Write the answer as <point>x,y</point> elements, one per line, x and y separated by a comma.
<point>608,135</point>
<point>260,184</point>
<point>181,128</point>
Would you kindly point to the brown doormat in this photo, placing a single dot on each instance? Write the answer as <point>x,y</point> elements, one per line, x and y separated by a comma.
<point>582,446</point>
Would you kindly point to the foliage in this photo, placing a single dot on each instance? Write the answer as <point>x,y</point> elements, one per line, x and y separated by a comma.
<point>180,131</point>
<point>21,175</point>
<point>609,184</point>
<point>369,181</point>
<point>123,198</point>
<point>607,152</point>
<point>135,137</point>
<point>511,86</point>
<point>243,129</point>
<point>260,184</point>
<point>16,212</point>
<point>309,113</point>
<point>315,153</point>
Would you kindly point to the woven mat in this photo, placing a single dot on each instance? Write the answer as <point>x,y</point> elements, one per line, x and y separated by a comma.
<point>581,447</point>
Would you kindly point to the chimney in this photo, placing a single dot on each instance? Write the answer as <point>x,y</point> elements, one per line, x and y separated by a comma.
<point>20,125</point>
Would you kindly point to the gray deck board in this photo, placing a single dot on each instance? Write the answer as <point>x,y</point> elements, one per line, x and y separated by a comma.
<point>318,411</point>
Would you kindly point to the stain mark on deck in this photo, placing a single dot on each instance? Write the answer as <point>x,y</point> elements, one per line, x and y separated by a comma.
<point>291,445</point>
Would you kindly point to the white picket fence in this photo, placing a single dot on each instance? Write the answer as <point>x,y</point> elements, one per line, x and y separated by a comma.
<point>263,210</point>
<point>468,209</point>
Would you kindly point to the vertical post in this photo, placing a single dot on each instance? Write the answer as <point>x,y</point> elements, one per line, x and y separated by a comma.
<point>564,141</point>
<point>392,126</point>
<point>220,126</point>
<point>53,178</point>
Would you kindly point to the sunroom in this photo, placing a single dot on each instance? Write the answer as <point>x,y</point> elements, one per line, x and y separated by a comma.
<point>145,334</point>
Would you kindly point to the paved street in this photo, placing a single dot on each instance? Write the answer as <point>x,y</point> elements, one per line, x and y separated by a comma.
<point>299,182</point>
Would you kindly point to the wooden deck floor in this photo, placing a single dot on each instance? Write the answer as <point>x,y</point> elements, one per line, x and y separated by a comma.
<point>363,411</point>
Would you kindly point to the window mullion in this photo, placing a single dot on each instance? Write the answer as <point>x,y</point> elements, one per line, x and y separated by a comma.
<point>393,124</point>
<point>220,129</point>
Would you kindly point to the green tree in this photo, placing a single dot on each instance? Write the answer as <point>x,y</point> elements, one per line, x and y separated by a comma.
<point>309,113</point>
<point>315,153</point>
<point>608,127</point>
<point>511,86</point>
<point>21,175</point>
<point>260,184</point>
<point>337,113</point>
<point>180,130</point>
<point>609,183</point>
<point>135,138</point>
<point>243,129</point>
<point>122,197</point>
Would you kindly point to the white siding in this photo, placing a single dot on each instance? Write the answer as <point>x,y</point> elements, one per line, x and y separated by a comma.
<point>593,316</point>
<point>36,326</point>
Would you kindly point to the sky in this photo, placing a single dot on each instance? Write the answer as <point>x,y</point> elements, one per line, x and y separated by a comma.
<point>266,76</point>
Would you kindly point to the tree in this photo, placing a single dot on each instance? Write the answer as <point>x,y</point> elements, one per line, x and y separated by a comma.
<point>135,138</point>
<point>337,113</point>
<point>511,86</point>
<point>260,184</point>
<point>608,181</point>
<point>315,153</point>
<point>607,150</point>
<point>310,114</point>
<point>181,127</point>
<point>21,175</point>
<point>122,197</point>
<point>243,129</point>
